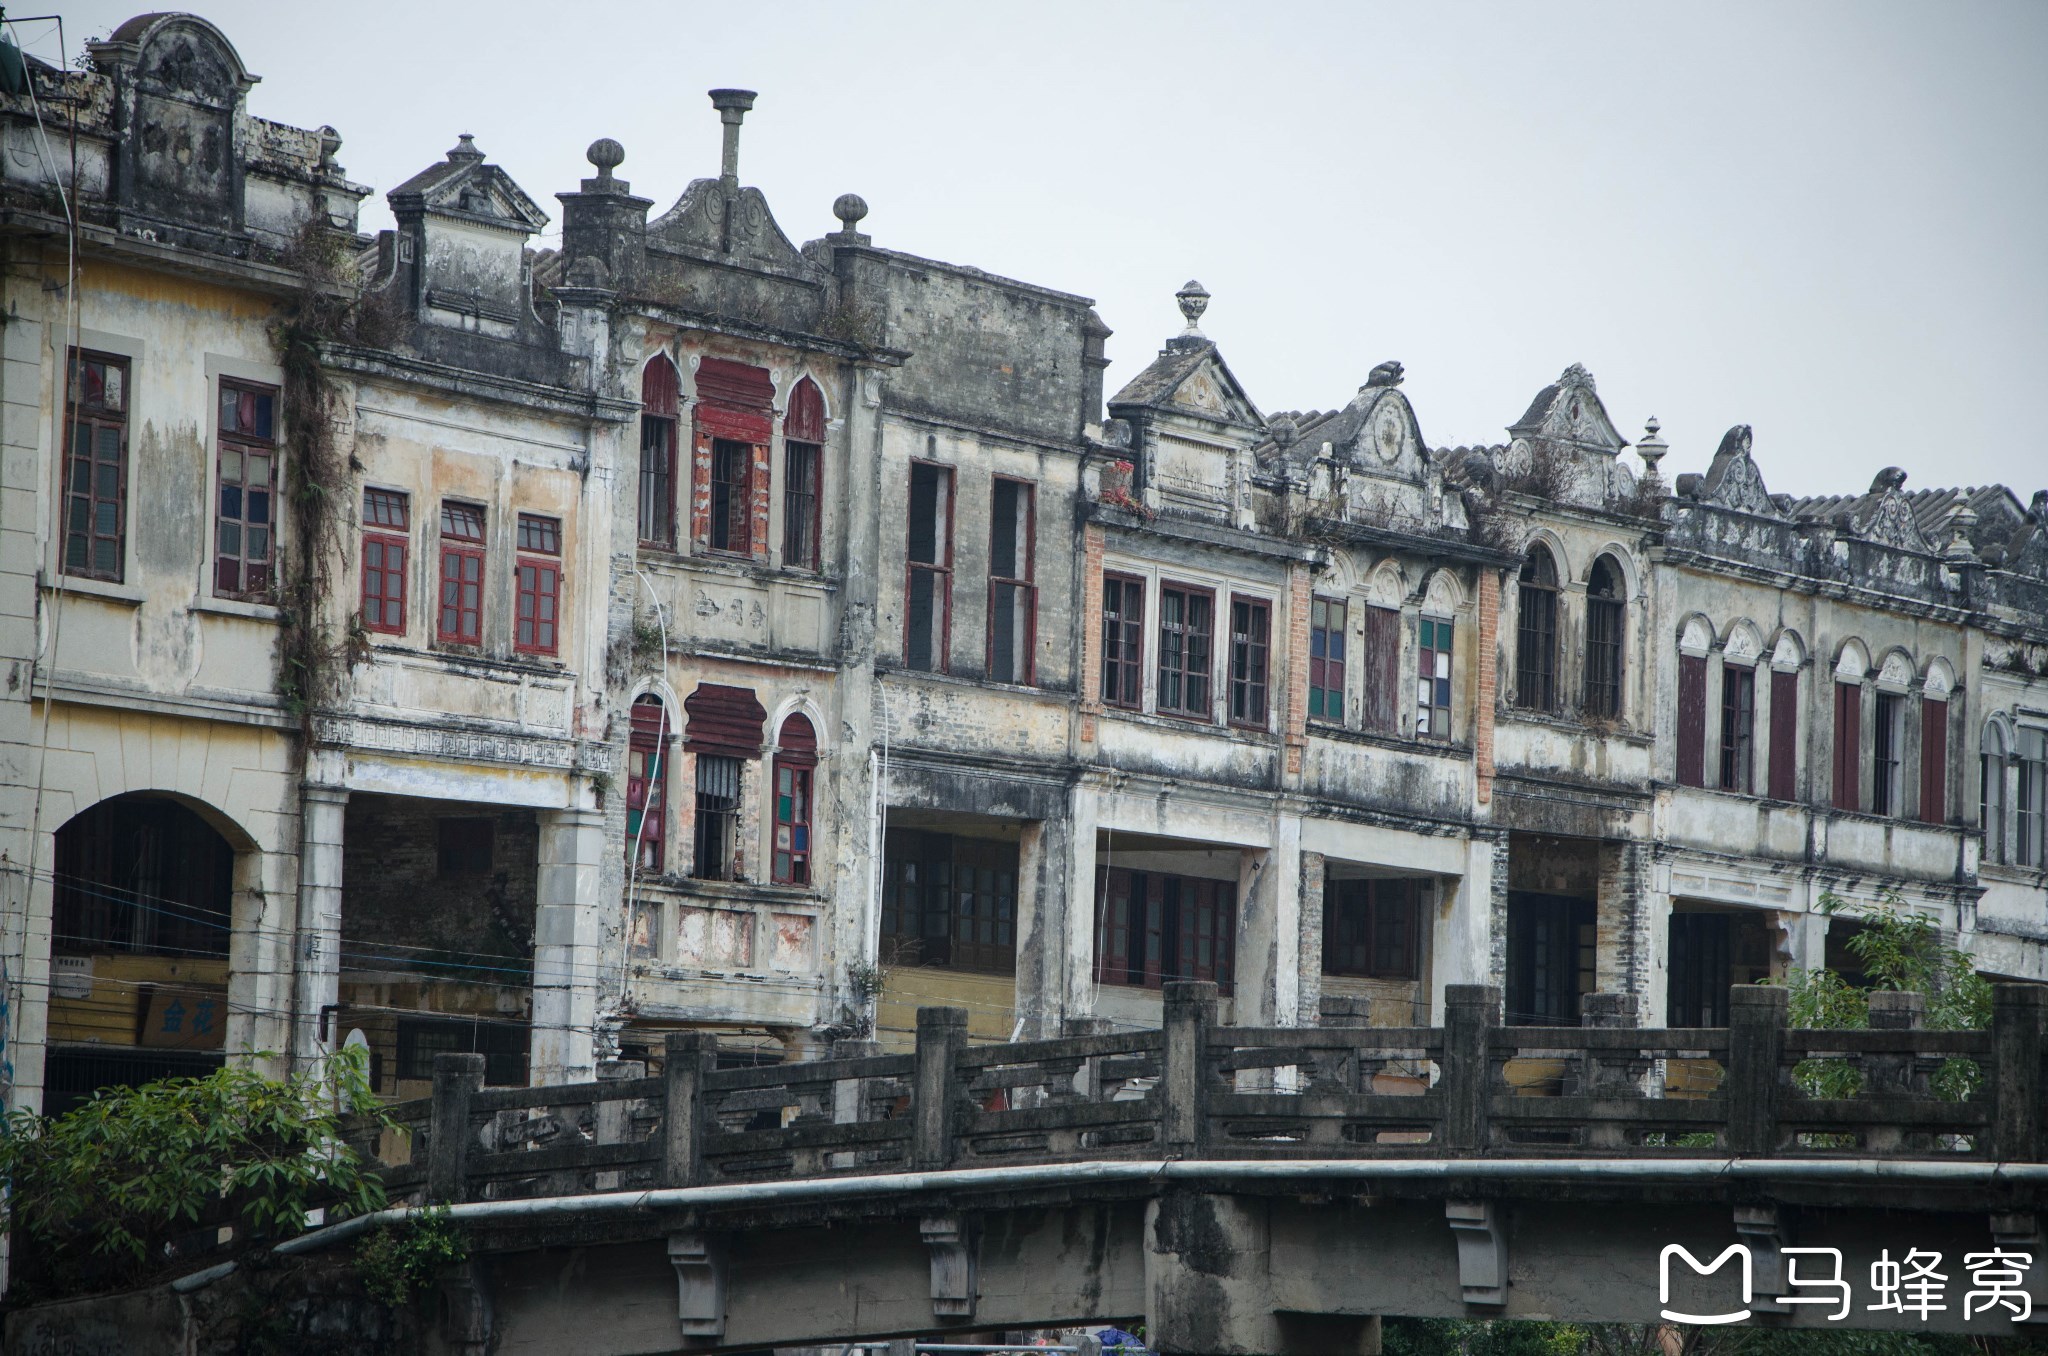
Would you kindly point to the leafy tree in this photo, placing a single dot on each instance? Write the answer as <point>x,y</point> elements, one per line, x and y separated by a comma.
<point>109,1185</point>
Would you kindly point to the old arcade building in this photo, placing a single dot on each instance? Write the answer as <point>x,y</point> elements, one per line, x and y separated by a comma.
<point>437,641</point>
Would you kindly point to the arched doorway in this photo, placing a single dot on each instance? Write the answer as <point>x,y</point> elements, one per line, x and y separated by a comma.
<point>141,924</point>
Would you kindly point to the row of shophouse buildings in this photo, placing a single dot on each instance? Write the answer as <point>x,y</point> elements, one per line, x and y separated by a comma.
<point>434,641</point>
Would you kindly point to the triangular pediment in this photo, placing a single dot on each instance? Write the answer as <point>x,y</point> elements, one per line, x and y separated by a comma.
<point>466,185</point>
<point>1570,410</point>
<point>1190,378</point>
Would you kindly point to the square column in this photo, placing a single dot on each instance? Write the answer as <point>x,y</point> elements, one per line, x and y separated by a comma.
<point>566,927</point>
<point>316,955</point>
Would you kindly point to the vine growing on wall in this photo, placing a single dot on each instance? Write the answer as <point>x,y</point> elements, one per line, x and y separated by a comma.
<point>324,309</point>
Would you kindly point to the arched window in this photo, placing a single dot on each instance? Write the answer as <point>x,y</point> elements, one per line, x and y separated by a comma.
<point>1604,598</point>
<point>660,392</point>
<point>1536,633</point>
<point>2030,806</point>
<point>803,444</point>
<point>647,784</point>
<point>1991,791</point>
<point>796,761</point>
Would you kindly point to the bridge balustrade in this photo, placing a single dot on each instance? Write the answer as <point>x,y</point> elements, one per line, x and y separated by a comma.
<point>1472,1087</point>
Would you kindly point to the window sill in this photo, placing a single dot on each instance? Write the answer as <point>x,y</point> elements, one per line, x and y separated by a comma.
<point>983,684</point>
<point>1382,739</point>
<point>236,607</point>
<point>735,564</point>
<point>1191,725</point>
<point>103,589</point>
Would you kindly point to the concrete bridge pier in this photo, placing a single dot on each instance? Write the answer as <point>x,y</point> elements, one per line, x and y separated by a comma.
<point>1209,1286</point>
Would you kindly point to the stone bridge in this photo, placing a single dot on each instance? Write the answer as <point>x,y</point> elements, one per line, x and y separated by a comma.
<point>1242,1189</point>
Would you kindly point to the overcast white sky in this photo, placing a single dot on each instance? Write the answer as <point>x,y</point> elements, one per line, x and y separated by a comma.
<point>1827,220</point>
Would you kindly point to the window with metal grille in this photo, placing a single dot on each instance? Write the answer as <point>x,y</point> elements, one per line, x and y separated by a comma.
<point>1433,678</point>
<point>1991,793</point>
<point>244,540</point>
<point>1151,927</point>
<point>1372,928</point>
<point>537,617</point>
<point>1604,619</point>
<point>718,818</point>
<point>504,1046</point>
<point>928,585</point>
<point>1123,640</point>
<point>1699,979</point>
<point>732,496</point>
<point>2030,805</point>
<point>1550,961</point>
<point>96,467</point>
<point>647,783</point>
<point>1250,646</point>
<point>1326,660</point>
<point>660,392</point>
<point>1536,633</point>
<point>462,573</point>
<point>949,901</point>
<point>1738,727</point>
<point>1888,738</point>
<point>1012,597</point>
<point>796,762</point>
<point>803,434</point>
<point>1848,760</point>
<point>1186,625</point>
<point>387,538</point>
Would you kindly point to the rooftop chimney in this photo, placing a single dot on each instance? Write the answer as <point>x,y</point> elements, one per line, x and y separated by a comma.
<point>732,106</point>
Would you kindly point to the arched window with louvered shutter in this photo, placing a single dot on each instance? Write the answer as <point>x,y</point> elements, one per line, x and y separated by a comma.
<point>660,399</point>
<point>647,784</point>
<point>803,476</point>
<point>796,766</point>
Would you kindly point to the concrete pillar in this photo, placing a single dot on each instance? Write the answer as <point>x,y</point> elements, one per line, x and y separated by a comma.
<point>566,925</point>
<point>24,1027</point>
<point>1309,1003</point>
<point>1080,887</point>
<point>262,969</point>
<point>1043,878</point>
<point>1624,912</point>
<point>1268,977</point>
<point>316,956</point>
<point>1468,936</point>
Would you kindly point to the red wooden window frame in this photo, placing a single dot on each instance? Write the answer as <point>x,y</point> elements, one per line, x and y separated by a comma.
<point>461,619</point>
<point>1934,760</point>
<point>1327,639</point>
<point>96,467</point>
<point>245,504</point>
<point>1784,771</point>
<point>660,403</point>
<point>1372,929</point>
<point>1013,596</point>
<point>1738,728</point>
<point>1251,650</point>
<point>803,480</point>
<point>935,571</point>
<point>1151,927</point>
<point>1187,651</point>
<point>1848,735</point>
<point>387,542</point>
<point>796,765</point>
<point>537,611</point>
<point>733,414</point>
<point>1692,720</point>
<point>1123,641</point>
<point>647,783</point>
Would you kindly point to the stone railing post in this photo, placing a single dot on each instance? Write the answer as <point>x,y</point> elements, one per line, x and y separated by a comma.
<point>1756,1054</point>
<point>1471,1012</point>
<point>1610,1073</point>
<point>687,1056</point>
<point>1183,1067</point>
<point>457,1078</point>
<point>941,1035</point>
<point>1893,1075</point>
<point>2016,1025</point>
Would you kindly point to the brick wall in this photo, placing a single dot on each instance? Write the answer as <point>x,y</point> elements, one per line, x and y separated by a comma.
<point>395,902</point>
<point>1486,660</point>
<point>1089,679</point>
<point>1622,963</point>
<point>1308,1006</point>
<point>1296,729</point>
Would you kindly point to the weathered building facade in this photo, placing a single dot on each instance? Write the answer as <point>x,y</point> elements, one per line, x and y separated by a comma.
<point>477,647</point>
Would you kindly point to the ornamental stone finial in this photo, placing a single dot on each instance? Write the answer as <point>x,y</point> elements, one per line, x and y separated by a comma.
<point>1193,299</point>
<point>1650,447</point>
<point>607,155</point>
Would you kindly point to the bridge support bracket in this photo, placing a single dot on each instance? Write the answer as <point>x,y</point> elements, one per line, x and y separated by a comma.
<point>1482,1251</point>
<point>466,1317</point>
<point>955,1245</point>
<point>699,1260</point>
<point>2022,1233</point>
<point>1763,1229</point>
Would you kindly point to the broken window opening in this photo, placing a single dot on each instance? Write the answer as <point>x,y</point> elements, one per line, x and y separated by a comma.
<point>1123,641</point>
<point>796,763</point>
<point>647,784</point>
<point>96,467</point>
<point>732,496</point>
<point>1012,597</point>
<point>1536,634</point>
<point>1888,737</point>
<point>244,541</point>
<point>1604,621</point>
<point>1738,727</point>
<point>1326,660</point>
<point>928,585</point>
<point>1250,647</point>
<point>1933,760</point>
<point>718,817</point>
<point>1433,679</point>
<point>660,392</point>
<point>803,466</point>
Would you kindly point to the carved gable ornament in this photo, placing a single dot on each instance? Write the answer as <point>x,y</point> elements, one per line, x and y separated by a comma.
<point>1733,481</point>
<point>2028,553</point>
<point>1889,520</point>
